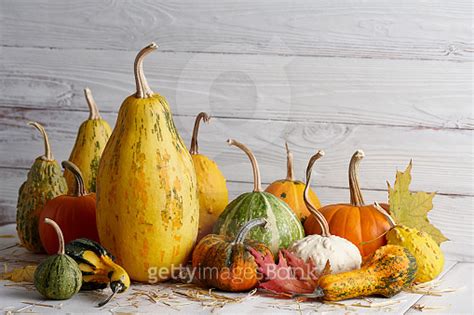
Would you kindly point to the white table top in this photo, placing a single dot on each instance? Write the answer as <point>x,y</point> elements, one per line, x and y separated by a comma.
<point>168,298</point>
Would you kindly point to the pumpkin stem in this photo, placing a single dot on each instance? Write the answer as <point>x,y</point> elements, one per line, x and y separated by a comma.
<point>386,214</point>
<point>239,239</point>
<point>356,195</point>
<point>59,233</point>
<point>319,217</point>
<point>93,109</point>
<point>194,141</point>
<point>80,189</point>
<point>289,164</point>
<point>257,184</point>
<point>143,89</point>
<point>48,155</point>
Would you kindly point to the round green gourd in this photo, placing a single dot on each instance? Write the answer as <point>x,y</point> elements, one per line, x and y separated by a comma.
<point>58,277</point>
<point>283,226</point>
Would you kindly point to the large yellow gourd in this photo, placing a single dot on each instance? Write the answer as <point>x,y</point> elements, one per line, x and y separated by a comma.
<point>91,139</point>
<point>212,187</point>
<point>147,202</point>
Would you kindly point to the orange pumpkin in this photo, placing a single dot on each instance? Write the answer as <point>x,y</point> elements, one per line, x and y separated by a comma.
<point>75,214</point>
<point>291,191</point>
<point>361,224</point>
<point>226,263</point>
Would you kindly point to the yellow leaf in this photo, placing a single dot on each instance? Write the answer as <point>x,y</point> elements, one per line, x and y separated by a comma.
<point>23,274</point>
<point>411,209</point>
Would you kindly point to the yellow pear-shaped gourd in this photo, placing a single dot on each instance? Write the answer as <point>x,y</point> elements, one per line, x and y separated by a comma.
<point>291,190</point>
<point>428,254</point>
<point>212,187</point>
<point>91,139</point>
<point>147,201</point>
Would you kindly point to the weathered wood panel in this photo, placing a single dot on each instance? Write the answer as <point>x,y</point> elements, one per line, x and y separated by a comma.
<point>447,213</point>
<point>442,158</point>
<point>354,91</point>
<point>460,278</point>
<point>350,28</point>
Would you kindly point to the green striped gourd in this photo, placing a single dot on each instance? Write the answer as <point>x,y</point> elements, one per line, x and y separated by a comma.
<point>283,226</point>
<point>44,182</point>
<point>91,139</point>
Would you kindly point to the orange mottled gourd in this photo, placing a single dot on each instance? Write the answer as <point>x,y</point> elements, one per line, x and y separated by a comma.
<point>147,200</point>
<point>291,190</point>
<point>212,187</point>
<point>226,263</point>
<point>361,224</point>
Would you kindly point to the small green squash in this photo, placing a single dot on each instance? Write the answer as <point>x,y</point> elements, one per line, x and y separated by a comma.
<point>59,276</point>
<point>91,139</point>
<point>283,227</point>
<point>45,181</point>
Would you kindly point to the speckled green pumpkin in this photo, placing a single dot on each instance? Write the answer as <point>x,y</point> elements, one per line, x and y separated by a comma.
<point>283,227</point>
<point>58,277</point>
<point>45,181</point>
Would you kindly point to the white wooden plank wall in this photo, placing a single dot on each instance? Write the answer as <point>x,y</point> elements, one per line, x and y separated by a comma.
<point>392,78</point>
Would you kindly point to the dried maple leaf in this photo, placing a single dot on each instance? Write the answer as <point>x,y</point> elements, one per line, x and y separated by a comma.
<point>411,209</point>
<point>22,274</point>
<point>290,276</point>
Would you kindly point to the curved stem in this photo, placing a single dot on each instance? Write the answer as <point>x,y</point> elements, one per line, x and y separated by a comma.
<point>48,155</point>
<point>93,109</point>
<point>143,89</point>
<point>386,214</point>
<point>194,141</point>
<point>356,195</point>
<point>80,189</point>
<point>289,164</point>
<point>318,215</point>
<point>239,239</point>
<point>59,233</point>
<point>257,184</point>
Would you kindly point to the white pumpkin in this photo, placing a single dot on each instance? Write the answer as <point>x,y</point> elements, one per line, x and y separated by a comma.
<point>341,253</point>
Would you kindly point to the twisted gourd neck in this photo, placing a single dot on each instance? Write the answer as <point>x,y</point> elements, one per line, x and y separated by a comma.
<point>143,89</point>
<point>239,239</point>
<point>194,141</point>
<point>315,212</point>
<point>289,164</point>
<point>58,231</point>
<point>354,188</point>
<point>48,155</point>
<point>93,109</point>
<point>257,183</point>
<point>80,188</point>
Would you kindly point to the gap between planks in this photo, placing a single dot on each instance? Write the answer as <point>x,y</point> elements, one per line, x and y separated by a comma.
<point>421,127</point>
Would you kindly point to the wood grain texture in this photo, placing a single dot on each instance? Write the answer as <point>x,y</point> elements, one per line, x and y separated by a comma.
<point>442,158</point>
<point>351,28</point>
<point>353,91</point>
<point>447,212</point>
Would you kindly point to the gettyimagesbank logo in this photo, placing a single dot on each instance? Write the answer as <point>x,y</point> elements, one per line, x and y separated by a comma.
<point>238,274</point>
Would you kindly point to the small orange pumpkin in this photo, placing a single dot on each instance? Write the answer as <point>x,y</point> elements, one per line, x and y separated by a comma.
<point>361,224</point>
<point>75,214</point>
<point>291,191</point>
<point>226,263</point>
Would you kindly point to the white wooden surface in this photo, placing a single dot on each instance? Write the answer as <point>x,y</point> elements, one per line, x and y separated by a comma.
<point>14,297</point>
<point>392,78</point>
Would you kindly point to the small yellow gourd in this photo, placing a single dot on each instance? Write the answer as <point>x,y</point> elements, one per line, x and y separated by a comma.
<point>428,254</point>
<point>212,187</point>
<point>91,139</point>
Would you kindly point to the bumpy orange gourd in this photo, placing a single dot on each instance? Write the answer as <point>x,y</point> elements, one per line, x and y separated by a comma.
<point>212,187</point>
<point>226,263</point>
<point>291,191</point>
<point>147,201</point>
<point>361,224</point>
